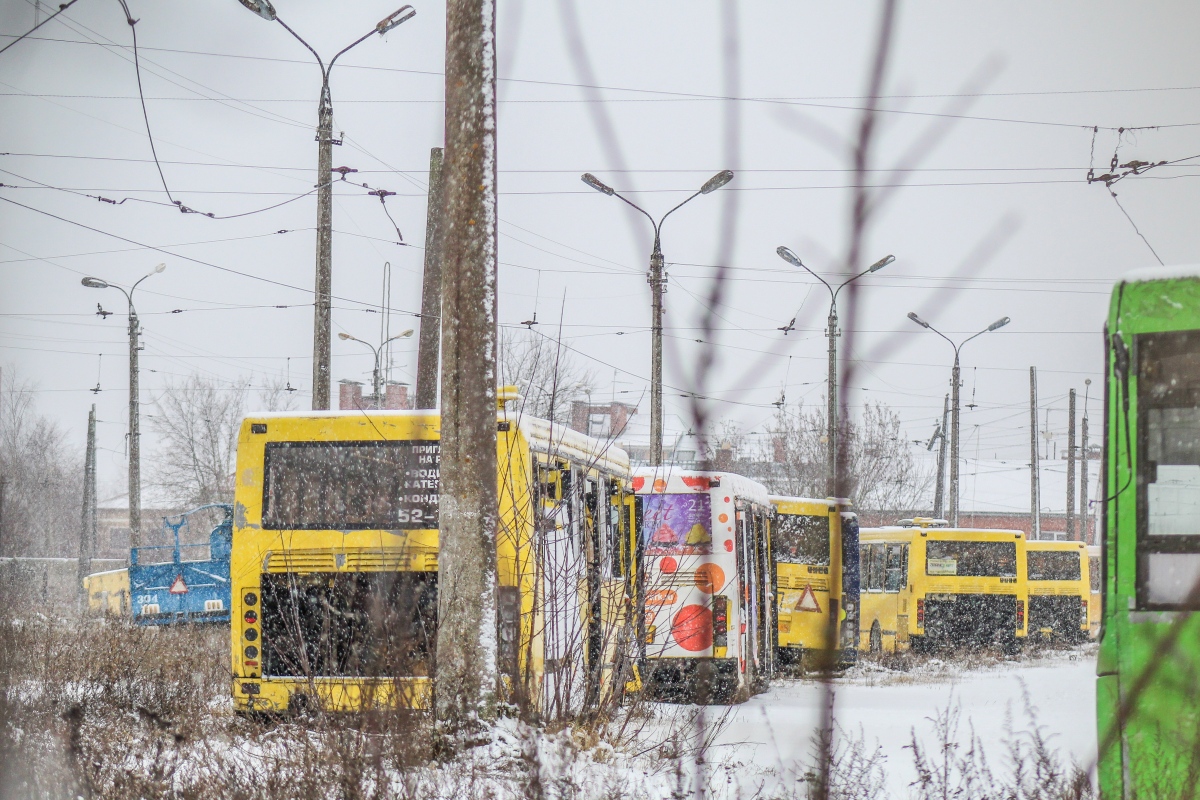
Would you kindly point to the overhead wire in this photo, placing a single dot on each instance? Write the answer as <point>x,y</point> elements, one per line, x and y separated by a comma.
<point>813,101</point>
<point>27,33</point>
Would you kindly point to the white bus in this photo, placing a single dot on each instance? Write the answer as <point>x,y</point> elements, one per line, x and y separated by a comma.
<point>707,627</point>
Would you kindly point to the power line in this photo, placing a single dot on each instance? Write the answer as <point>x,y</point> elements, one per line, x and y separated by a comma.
<point>698,170</point>
<point>186,258</point>
<point>26,35</point>
<point>686,96</point>
<point>83,193</point>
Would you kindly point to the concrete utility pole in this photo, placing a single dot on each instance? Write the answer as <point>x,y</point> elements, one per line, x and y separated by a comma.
<point>325,142</point>
<point>1034,489</point>
<point>955,385</point>
<point>3,488</point>
<point>1084,513</point>
<point>87,528</point>
<point>831,392</point>
<point>431,290</point>
<point>467,678</point>
<point>657,279</point>
<point>939,494</point>
<point>1071,467</point>
<point>135,450</point>
<point>135,435</point>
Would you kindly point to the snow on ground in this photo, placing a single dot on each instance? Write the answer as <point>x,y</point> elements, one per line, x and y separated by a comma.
<point>773,731</point>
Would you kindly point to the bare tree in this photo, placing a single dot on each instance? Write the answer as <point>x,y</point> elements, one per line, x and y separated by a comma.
<point>882,475</point>
<point>42,477</point>
<point>197,421</point>
<point>546,373</point>
<point>276,394</point>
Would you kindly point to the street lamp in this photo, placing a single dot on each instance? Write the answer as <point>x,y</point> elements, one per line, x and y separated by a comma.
<point>954,385</point>
<point>376,382</point>
<point>658,281</point>
<point>831,334</point>
<point>135,465</point>
<point>325,143</point>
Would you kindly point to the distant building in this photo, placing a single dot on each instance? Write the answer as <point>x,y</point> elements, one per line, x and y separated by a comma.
<point>601,420</point>
<point>351,397</point>
<point>112,525</point>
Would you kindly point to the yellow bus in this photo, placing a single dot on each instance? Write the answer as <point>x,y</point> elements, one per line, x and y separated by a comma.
<point>1094,577</point>
<point>108,593</point>
<point>708,621</point>
<point>1058,589</point>
<point>815,547</point>
<point>335,559</point>
<point>924,587</point>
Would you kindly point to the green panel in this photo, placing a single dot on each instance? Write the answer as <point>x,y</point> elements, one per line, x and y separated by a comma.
<point>1109,766</point>
<point>1149,662</point>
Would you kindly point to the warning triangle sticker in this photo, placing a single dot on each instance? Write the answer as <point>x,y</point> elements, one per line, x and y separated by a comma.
<point>178,586</point>
<point>807,601</point>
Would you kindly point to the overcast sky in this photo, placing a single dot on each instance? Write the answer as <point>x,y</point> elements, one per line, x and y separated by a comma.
<point>231,101</point>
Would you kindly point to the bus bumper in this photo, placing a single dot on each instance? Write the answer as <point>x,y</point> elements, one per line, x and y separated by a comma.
<point>277,695</point>
<point>698,680</point>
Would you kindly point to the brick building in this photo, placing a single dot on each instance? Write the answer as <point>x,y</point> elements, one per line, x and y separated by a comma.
<point>351,397</point>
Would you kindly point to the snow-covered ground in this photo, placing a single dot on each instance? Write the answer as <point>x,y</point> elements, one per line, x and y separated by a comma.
<point>772,733</point>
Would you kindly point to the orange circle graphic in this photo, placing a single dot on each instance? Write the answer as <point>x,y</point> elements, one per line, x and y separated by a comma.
<point>709,578</point>
<point>692,628</point>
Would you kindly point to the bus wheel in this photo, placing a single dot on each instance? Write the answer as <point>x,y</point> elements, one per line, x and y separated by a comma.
<point>876,640</point>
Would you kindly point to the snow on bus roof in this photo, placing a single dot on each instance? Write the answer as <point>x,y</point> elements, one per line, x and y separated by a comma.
<point>558,439</point>
<point>739,484</point>
<point>1163,273</point>
<point>544,436</point>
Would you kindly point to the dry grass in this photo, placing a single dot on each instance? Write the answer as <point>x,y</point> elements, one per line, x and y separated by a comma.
<point>101,709</point>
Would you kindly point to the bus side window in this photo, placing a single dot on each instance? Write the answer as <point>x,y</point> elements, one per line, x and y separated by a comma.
<point>894,572</point>
<point>875,570</point>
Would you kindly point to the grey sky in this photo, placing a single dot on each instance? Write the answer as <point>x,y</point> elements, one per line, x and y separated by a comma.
<point>1043,75</point>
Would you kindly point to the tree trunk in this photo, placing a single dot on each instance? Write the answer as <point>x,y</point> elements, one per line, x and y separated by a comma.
<point>466,675</point>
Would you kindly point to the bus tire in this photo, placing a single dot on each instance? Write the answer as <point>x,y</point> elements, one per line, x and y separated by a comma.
<point>876,639</point>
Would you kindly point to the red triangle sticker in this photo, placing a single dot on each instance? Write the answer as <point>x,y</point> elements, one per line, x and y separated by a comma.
<point>179,587</point>
<point>807,601</point>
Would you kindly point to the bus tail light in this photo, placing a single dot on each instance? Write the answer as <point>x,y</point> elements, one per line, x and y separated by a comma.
<point>1020,613</point>
<point>921,612</point>
<point>720,605</point>
<point>1084,600</point>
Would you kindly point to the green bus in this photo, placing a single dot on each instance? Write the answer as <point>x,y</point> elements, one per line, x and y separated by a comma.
<point>1148,667</point>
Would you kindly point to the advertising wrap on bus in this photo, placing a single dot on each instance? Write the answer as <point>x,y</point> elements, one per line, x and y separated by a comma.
<point>677,524</point>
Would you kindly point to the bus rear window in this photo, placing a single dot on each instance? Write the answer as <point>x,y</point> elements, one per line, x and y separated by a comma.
<point>1060,565</point>
<point>971,559</point>
<point>801,539</point>
<point>677,524</point>
<point>351,485</point>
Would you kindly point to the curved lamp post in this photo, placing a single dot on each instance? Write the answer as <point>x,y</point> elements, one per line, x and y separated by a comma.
<point>658,281</point>
<point>325,143</point>
<point>954,385</point>
<point>831,333</point>
<point>376,382</point>
<point>135,465</point>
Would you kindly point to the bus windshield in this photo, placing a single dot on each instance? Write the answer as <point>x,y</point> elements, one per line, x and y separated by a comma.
<point>351,485</point>
<point>801,539</point>
<point>971,559</point>
<point>677,524</point>
<point>1053,565</point>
